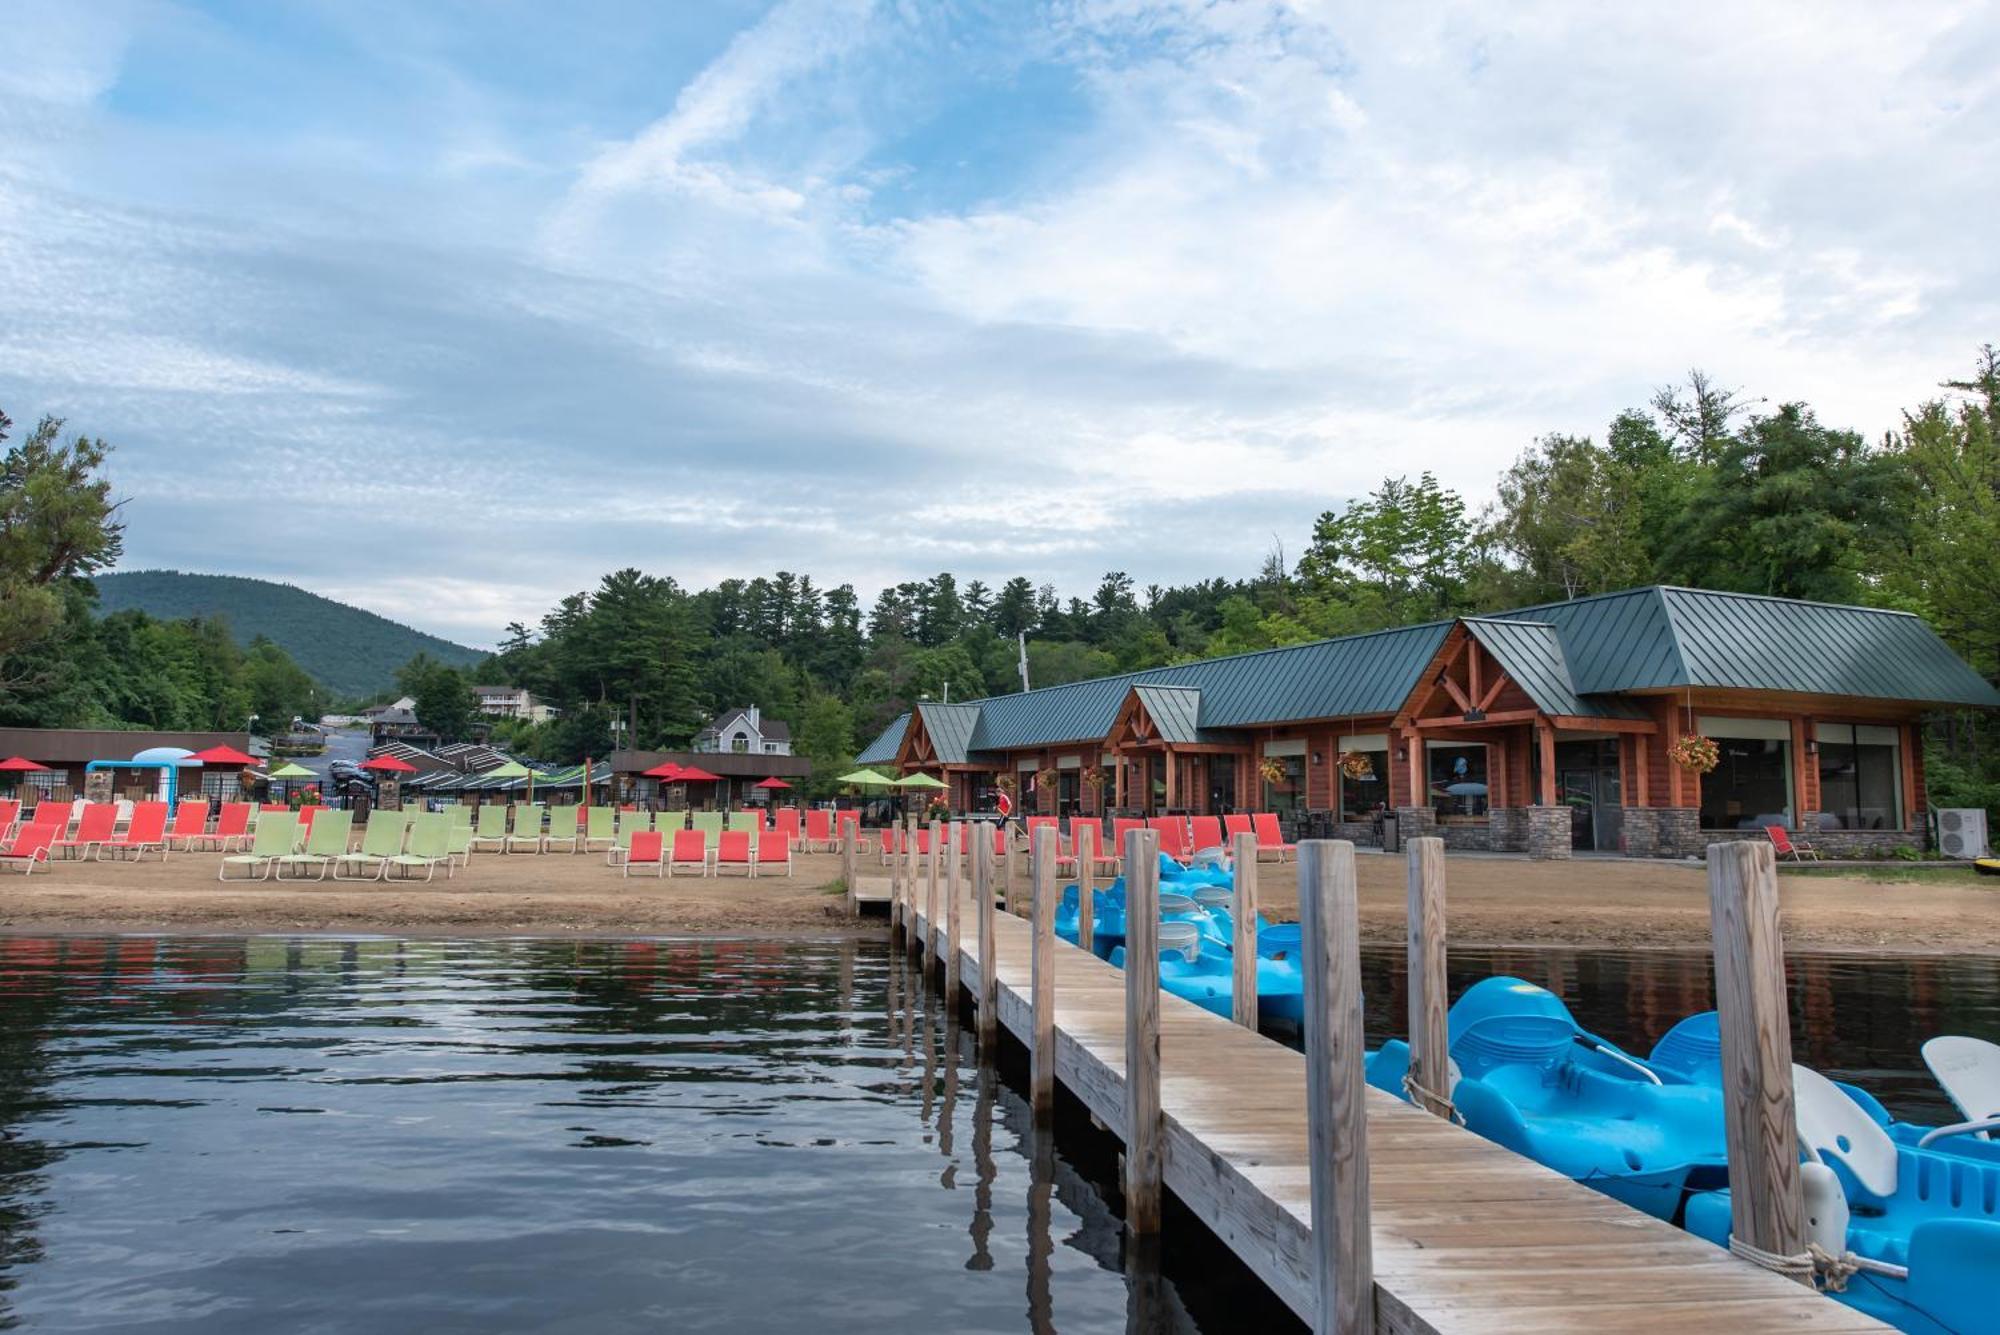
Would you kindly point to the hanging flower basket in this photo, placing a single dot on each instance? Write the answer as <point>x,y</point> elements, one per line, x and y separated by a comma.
<point>1271,770</point>
<point>1093,778</point>
<point>1357,765</point>
<point>1694,753</point>
<point>1045,780</point>
<point>1008,784</point>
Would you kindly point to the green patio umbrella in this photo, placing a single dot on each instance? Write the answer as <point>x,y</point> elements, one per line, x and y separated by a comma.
<point>919,781</point>
<point>867,778</point>
<point>290,771</point>
<point>514,769</point>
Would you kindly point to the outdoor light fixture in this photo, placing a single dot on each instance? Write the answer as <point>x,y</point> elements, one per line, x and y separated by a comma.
<point>1317,758</point>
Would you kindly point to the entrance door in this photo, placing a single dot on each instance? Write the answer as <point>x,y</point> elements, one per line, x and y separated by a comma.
<point>1587,783</point>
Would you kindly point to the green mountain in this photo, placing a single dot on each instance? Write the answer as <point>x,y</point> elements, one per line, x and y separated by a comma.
<point>350,651</point>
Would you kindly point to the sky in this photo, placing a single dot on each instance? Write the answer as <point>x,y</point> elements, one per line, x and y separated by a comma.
<point>446,308</point>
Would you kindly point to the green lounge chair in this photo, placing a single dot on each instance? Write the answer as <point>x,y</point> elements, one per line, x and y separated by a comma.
<point>458,846</point>
<point>527,828</point>
<point>430,847</point>
<point>743,820</point>
<point>460,814</point>
<point>710,825</point>
<point>671,820</point>
<point>600,829</point>
<point>277,837</point>
<point>629,824</point>
<point>327,842</point>
<point>492,828</point>
<point>381,839</point>
<point>562,828</point>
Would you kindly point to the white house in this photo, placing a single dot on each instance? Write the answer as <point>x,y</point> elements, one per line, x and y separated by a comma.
<point>512,702</point>
<point>745,731</point>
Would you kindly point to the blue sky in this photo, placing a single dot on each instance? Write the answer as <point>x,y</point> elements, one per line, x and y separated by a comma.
<point>446,308</point>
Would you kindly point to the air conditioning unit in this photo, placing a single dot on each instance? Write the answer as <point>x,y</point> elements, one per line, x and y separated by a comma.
<point>1961,832</point>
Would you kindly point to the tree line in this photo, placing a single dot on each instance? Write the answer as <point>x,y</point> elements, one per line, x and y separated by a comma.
<point>1701,485</point>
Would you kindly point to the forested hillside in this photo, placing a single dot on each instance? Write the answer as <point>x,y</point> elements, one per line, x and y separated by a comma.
<point>350,651</point>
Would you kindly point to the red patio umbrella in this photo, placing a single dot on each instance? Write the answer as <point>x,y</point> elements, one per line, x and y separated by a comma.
<point>773,782</point>
<point>696,774</point>
<point>389,765</point>
<point>222,755</point>
<point>21,765</point>
<point>666,773</point>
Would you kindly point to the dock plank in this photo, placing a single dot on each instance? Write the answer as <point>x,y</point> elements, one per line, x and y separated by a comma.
<point>1467,1236</point>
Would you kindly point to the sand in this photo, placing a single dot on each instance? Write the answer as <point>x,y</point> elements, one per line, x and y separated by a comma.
<point>1492,901</point>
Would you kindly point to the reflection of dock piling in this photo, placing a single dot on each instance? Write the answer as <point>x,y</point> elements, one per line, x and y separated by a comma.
<point>1459,1233</point>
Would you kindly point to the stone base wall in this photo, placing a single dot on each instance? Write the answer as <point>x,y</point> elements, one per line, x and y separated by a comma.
<point>1508,829</point>
<point>1549,832</point>
<point>1358,832</point>
<point>1414,821</point>
<point>1861,844</point>
<point>1467,838</point>
<point>1639,832</point>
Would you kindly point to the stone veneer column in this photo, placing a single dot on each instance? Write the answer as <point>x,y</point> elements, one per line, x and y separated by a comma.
<point>1549,832</point>
<point>1507,829</point>
<point>1414,821</point>
<point>1641,827</point>
<point>1679,832</point>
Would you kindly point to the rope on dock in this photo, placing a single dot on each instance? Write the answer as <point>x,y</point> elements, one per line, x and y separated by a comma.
<point>1431,1099</point>
<point>1816,1265</point>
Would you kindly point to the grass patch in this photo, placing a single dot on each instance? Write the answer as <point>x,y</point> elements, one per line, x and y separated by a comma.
<point>1921,873</point>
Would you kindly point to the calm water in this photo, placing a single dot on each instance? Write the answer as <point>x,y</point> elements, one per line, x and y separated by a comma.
<point>1853,1018</point>
<point>222,1135</point>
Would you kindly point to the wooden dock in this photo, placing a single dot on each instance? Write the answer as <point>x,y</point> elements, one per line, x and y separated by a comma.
<point>1466,1236</point>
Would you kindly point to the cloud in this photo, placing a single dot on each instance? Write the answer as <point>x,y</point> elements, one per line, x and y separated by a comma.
<point>447,317</point>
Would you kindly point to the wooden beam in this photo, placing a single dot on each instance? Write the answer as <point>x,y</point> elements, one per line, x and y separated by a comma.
<point>1143,1160</point>
<point>1458,697</point>
<point>1490,721</point>
<point>1413,747</point>
<point>1430,1046</point>
<point>1545,742</point>
<point>1336,1092</point>
<point>1042,976</point>
<point>1766,1195</point>
<point>1642,770</point>
<point>1585,723</point>
<point>1499,684</point>
<point>1243,924</point>
<point>1473,662</point>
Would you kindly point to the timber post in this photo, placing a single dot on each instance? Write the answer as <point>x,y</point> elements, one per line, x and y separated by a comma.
<point>953,912</point>
<point>850,866</point>
<point>910,942</point>
<point>988,1017</point>
<point>1143,1157</point>
<point>1336,1113</point>
<point>931,901</point>
<point>1243,939</point>
<point>1430,1043</point>
<point>1766,1193</point>
<point>895,882</point>
<point>1042,978</point>
<point>1085,840</point>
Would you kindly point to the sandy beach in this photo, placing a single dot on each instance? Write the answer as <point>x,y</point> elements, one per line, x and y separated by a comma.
<point>1491,902</point>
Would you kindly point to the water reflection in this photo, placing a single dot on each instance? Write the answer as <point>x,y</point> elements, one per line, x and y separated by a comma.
<point>381,1135</point>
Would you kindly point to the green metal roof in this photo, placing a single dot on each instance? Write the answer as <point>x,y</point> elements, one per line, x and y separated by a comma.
<point>1175,711</point>
<point>950,729</point>
<point>883,749</point>
<point>1531,652</point>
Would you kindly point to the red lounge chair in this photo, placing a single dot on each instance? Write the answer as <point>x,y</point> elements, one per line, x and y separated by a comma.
<point>1173,832</point>
<point>190,826</point>
<point>1270,839</point>
<point>999,841</point>
<point>732,852</point>
<point>785,821</point>
<point>147,829</point>
<point>1205,832</point>
<point>892,843</point>
<point>773,850</point>
<point>55,815</point>
<point>819,831</point>
<point>690,850</point>
<point>94,828</point>
<point>843,819</point>
<point>232,827</point>
<point>1120,827</point>
<point>1235,824</point>
<point>30,846</point>
<point>10,813</point>
<point>648,850</point>
<point>1798,850</point>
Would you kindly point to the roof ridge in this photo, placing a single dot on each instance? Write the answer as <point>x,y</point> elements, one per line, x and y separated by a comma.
<point>1777,598</point>
<point>1686,673</point>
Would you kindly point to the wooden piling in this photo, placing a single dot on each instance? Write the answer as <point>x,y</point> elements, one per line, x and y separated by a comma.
<point>895,887</point>
<point>954,899</point>
<point>850,866</point>
<point>1086,837</point>
<point>910,941</point>
<point>1766,1200</point>
<point>931,857</point>
<point>1042,975</point>
<point>1143,1161</point>
<point>1430,1045</point>
<point>988,1015</point>
<point>1007,877</point>
<point>1243,942</point>
<point>1336,1114</point>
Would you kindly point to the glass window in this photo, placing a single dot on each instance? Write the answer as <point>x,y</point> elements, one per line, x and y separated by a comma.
<point>739,742</point>
<point>1752,787</point>
<point>1069,786</point>
<point>1288,795</point>
<point>1364,794</point>
<point>1860,777</point>
<point>1458,780</point>
<point>1221,784</point>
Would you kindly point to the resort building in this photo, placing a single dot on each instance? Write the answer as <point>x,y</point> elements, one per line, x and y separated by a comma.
<point>1540,730</point>
<point>745,732</point>
<point>742,778</point>
<point>514,702</point>
<point>66,756</point>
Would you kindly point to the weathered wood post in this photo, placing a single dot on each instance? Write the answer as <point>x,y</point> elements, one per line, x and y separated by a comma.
<point>850,866</point>
<point>1336,1114</point>
<point>1766,1198</point>
<point>1042,980</point>
<point>1086,838</point>
<point>1007,876</point>
<point>895,885</point>
<point>1243,939</point>
<point>910,940</point>
<point>988,1019</point>
<point>1429,1079</point>
<point>953,911</point>
<point>931,900</point>
<point>1143,1166</point>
